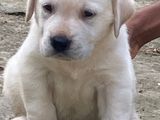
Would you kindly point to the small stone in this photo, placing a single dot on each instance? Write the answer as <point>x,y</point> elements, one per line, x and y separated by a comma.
<point>141,91</point>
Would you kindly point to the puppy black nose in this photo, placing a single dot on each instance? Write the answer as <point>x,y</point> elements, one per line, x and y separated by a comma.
<point>60,43</point>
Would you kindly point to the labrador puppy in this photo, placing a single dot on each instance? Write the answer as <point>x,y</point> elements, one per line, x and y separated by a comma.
<point>70,67</point>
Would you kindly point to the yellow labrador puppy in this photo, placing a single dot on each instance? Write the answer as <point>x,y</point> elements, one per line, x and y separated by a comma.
<point>75,63</point>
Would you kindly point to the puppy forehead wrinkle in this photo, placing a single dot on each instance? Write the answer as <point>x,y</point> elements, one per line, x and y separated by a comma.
<point>94,4</point>
<point>61,1</point>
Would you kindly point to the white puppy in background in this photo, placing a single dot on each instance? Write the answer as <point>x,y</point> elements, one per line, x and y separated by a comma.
<point>75,63</point>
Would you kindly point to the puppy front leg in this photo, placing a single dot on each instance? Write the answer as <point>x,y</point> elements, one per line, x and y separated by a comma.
<point>36,95</point>
<point>115,102</point>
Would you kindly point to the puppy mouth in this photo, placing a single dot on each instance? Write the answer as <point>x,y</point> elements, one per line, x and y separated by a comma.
<point>68,55</point>
<point>63,56</point>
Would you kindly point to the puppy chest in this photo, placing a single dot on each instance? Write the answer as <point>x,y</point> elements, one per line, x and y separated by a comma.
<point>74,99</point>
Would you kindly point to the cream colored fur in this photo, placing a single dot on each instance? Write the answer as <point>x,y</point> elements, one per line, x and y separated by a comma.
<point>96,81</point>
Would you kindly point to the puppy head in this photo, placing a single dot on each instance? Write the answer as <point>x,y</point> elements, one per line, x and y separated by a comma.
<point>71,29</point>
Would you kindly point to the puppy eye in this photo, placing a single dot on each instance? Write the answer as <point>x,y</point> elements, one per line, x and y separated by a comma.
<point>88,14</point>
<point>48,8</point>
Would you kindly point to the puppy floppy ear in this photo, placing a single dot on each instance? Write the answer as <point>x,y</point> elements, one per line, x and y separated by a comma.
<point>122,10</point>
<point>31,4</point>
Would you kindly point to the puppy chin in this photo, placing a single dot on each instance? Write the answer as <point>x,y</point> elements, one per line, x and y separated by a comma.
<point>66,56</point>
<point>62,56</point>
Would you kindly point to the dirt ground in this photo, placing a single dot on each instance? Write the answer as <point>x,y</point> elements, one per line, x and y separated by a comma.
<point>13,31</point>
